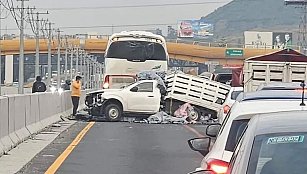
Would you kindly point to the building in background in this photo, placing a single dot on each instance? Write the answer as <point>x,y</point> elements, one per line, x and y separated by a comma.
<point>157,31</point>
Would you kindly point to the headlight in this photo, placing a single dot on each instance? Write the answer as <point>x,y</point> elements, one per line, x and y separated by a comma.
<point>52,89</point>
<point>106,85</point>
<point>60,90</point>
<point>89,100</point>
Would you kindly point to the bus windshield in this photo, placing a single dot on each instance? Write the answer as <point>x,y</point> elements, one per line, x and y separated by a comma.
<point>136,51</point>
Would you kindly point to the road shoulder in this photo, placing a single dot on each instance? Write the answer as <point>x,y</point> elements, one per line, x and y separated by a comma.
<point>20,156</point>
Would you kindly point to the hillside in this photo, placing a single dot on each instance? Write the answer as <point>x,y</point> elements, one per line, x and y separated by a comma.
<point>262,15</point>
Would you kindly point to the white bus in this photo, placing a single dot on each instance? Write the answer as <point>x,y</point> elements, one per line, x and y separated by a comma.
<point>129,53</point>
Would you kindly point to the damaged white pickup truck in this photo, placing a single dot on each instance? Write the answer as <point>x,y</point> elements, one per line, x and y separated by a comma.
<point>147,97</point>
<point>140,98</point>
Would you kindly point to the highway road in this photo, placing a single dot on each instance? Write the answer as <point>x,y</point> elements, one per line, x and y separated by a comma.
<point>117,148</point>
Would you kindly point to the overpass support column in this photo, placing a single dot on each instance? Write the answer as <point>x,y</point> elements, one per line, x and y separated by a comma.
<point>9,62</point>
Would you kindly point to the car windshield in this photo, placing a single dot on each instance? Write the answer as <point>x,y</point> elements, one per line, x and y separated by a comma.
<point>282,153</point>
<point>121,81</point>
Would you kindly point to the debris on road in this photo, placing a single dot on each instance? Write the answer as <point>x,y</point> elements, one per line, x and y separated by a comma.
<point>184,110</point>
<point>56,125</point>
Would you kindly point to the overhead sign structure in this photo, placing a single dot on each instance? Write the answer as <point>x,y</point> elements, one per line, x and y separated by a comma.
<point>234,53</point>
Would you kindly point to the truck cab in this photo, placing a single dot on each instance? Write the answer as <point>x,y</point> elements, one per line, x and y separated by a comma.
<point>140,98</point>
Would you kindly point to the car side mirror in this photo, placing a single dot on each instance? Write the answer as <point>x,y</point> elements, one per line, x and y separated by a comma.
<point>202,172</point>
<point>213,130</point>
<point>134,89</point>
<point>200,145</point>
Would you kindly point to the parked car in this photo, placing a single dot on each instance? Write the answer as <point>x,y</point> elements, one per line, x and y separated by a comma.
<point>273,143</point>
<point>218,155</point>
<point>229,101</point>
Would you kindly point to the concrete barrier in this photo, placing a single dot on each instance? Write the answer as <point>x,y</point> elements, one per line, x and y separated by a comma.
<point>6,142</point>
<point>12,133</point>
<point>24,115</point>
<point>20,117</point>
<point>33,123</point>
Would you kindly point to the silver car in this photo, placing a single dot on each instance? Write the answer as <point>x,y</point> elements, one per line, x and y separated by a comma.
<point>273,143</point>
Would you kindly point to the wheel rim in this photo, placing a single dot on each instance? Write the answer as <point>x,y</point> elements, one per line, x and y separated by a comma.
<point>113,113</point>
<point>193,115</point>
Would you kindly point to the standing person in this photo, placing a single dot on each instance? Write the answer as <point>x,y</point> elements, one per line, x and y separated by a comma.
<point>75,94</point>
<point>66,86</point>
<point>38,85</point>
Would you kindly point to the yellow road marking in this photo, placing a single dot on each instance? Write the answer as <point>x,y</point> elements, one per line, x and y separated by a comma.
<point>194,131</point>
<point>59,161</point>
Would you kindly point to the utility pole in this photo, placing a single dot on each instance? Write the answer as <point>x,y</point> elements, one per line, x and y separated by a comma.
<point>81,63</point>
<point>84,66</point>
<point>95,74</point>
<point>89,71</point>
<point>77,61</point>
<point>71,61</point>
<point>101,75</point>
<point>59,60</point>
<point>66,57</point>
<point>49,52</point>
<point>21,50</point>
<point>37,73</point>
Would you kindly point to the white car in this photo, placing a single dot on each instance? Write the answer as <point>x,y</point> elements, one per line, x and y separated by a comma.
<point>229,101</point>
<point>272,144</point>
<point>218,156</point>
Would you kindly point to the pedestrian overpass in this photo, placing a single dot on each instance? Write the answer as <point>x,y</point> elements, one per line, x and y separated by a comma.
<point>180,51</point>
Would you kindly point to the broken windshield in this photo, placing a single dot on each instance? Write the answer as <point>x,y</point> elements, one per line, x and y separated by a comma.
<point>136,51</point>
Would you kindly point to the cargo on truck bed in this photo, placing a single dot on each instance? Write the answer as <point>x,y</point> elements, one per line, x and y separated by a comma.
<point>207,96</point>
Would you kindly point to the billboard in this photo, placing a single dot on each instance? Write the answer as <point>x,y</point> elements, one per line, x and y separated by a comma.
<point>256,39</point>
<point>185,29</point>
<point>195,28</point>
<point>269,40</point>
<point>282,40</point>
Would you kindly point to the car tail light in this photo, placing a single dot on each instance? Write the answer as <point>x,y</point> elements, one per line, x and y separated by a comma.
<point>217,166</point>
<point>106,83</point>
<point>226,109</point>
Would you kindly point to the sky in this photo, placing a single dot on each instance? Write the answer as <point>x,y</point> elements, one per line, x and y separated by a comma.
<point>79,16</point>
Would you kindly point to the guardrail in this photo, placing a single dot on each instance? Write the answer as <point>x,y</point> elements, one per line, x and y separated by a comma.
<point>24,115</point>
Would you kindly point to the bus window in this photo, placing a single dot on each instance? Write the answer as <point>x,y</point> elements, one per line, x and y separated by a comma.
<point>136,51</point>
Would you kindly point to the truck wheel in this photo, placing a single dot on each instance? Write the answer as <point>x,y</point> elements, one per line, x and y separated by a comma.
<point>113,112</point>
<point>194,114</point>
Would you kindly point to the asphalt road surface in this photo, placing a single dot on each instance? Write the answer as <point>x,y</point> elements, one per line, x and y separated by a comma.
<point>122,148</point>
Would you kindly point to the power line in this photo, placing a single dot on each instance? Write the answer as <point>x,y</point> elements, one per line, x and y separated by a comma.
<point>116,26</point>
<point>135,6</point>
